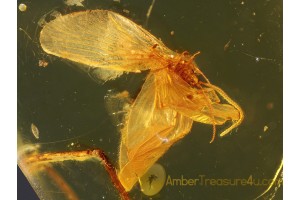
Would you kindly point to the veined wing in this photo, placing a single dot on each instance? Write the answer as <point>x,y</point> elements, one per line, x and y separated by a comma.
<point>149,132</point>
<point>200,105</point>
<point>102,39</point>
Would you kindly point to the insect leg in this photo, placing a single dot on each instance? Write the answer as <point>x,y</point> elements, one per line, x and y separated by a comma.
<point>234,104</point>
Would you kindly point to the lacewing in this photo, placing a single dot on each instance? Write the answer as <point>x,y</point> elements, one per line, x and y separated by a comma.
<point>174,94</point>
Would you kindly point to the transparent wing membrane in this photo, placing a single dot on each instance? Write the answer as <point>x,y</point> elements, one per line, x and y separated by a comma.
<point>103,39</point>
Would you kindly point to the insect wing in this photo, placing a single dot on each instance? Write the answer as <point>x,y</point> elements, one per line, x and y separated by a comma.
<point>200,105</point>
<point>149,132</point>
<point>102,39</point>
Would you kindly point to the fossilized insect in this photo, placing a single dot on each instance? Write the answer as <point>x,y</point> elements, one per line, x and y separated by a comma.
<point>174,94</point>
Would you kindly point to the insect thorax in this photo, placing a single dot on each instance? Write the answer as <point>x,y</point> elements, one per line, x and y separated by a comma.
<point>185,69</point>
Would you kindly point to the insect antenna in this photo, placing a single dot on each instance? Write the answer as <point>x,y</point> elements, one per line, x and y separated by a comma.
<point>193,57</point>
<point>203,76</point>
<point>199,72</point>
